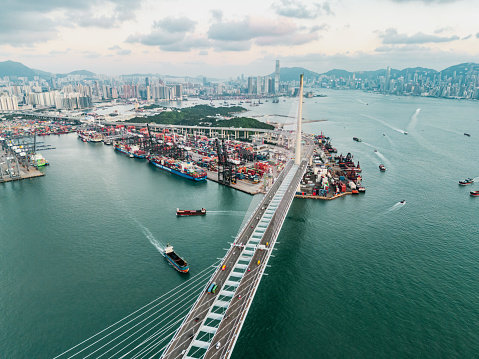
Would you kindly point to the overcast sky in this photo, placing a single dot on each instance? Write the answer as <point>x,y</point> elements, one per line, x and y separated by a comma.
<point>223,38</point>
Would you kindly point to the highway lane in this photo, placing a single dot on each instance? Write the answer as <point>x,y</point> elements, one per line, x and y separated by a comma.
<point>190,326</point>
<point>229,328</point>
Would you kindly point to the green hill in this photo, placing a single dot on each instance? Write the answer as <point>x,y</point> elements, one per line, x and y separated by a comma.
<point>12,68</point>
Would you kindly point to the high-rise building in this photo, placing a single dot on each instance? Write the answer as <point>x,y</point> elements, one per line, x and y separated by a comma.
<point>276,78</point>
<point>388,77</point>
<point>259,85</point>
<point>250,85</point>
<point>179,91</point>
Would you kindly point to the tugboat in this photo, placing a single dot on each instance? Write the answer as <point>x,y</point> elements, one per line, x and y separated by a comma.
<point>187,212</point>
<point>382,168</point>
<point>178,263</point>
<point>357,139</point>
<point>474,193</point>
<point>466,181</point>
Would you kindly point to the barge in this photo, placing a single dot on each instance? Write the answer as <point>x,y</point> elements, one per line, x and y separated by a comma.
<point>178,263</point>
<point>187,212</point>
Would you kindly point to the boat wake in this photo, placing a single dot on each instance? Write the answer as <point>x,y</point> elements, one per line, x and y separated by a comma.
<point>382,157</point>
<point>413,122</point>
<point>367,144</point>
<point>385,124</point>
<point>448,130</point>
<point>361,101</point>
<point>158,245</point>
<point>396,207</point>
<point>226,212</point>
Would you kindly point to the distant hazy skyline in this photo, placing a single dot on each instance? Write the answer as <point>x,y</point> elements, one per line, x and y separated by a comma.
<point>229,38</point>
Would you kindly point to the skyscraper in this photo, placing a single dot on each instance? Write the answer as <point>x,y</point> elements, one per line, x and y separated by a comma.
<point>250,85</point>
<point>276,78</point>
<point>388,77</point>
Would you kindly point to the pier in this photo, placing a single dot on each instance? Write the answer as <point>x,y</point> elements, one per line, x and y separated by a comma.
<point>13,169</point>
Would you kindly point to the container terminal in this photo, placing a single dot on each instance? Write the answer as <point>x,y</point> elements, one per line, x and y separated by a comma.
<point>249,164</point>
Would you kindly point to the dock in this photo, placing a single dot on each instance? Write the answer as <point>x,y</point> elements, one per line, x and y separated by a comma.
<point>242,186</point>
<point>11,169</point>
<point>322,197</point>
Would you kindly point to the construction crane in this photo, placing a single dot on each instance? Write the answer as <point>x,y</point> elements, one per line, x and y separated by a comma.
<point>225,167</point>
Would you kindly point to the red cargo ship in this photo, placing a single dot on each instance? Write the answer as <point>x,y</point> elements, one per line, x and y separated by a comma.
<point>187,212</point>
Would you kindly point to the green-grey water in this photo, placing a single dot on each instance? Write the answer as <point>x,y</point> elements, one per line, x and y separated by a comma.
<point>357,277</point>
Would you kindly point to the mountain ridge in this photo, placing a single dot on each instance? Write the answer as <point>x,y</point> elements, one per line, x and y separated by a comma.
<point>17,69</point>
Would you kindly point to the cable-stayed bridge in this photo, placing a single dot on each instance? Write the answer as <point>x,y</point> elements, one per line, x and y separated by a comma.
<point>188,321</point>
<point>218,318</point>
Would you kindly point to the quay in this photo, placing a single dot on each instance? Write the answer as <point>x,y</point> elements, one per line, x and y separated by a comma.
<point>11,170</point>
<point>322,197</point>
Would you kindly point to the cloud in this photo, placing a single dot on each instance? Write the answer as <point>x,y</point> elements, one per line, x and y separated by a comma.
<point>217,15</point>
<point>33,29</point>
<point>90,54</point>
<point>292,39</point>
<point>467,37</point>
<point>180,24</point>
<point>203,53</point>
<point>170,34</point>
<point>405,48</point>
<point>123,52</point>
<point>27,22</point>
<point>477,35</point>
<point>322,27</point>
<point>119,51</point>
<point>296,9</point>
<point>59,52</point>
<point>443,29</point>
<point>391,36</point>
<point>156,38</point>
<point>221,46</point>
<point>248,29</point>
<point>187,44</point>
<point>262,32</point>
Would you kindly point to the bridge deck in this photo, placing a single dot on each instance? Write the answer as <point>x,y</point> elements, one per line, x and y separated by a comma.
<point>239,281</point>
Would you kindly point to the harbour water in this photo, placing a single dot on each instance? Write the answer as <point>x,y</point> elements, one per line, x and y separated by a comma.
<point>358,277</point>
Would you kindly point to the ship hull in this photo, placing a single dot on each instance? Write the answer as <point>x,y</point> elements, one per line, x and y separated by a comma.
<point>190,213</point>
<point>176,266</point>
<point>181,174</point>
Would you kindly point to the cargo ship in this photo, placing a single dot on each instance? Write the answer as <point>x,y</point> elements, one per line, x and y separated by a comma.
<point>177,262</point>
<point>130,151</point>
<point>474,193</point>
<point>180,168</point>
<point>187,212</point>
<point>39,161</point>
<point>90,136</point>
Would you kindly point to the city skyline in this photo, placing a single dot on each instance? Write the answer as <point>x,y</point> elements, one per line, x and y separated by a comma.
<point>217,40</point>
